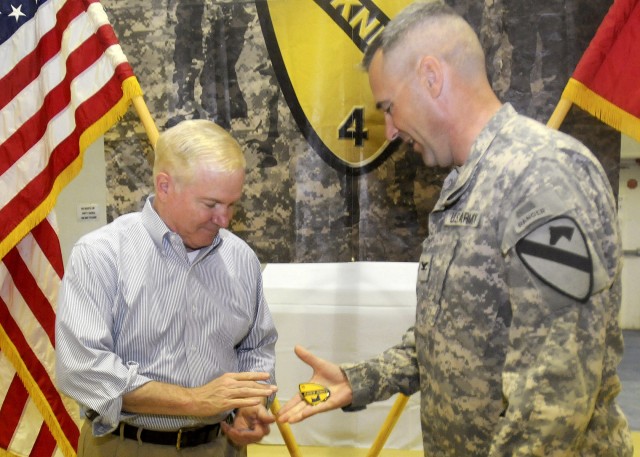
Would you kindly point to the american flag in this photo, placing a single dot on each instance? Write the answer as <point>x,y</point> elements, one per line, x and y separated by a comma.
<point>63,82</point>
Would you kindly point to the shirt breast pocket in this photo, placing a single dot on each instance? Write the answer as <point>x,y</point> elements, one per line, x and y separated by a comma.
<point>434,265</point>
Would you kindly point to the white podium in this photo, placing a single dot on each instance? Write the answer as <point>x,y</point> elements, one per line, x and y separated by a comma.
<point>342,312</point>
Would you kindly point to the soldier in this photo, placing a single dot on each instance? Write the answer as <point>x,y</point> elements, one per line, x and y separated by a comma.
<point>516,341</point>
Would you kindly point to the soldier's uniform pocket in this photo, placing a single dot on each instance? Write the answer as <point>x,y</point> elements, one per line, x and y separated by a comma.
<point>435,261</point>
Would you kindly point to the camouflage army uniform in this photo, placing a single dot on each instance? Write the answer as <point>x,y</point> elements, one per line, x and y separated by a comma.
<point>516,339</point>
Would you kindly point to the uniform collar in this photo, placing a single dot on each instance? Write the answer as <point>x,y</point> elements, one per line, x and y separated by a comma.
<point>458,180</point>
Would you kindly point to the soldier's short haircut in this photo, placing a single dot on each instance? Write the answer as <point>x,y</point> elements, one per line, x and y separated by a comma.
<point>439,29</point>
<point>413,16</point>
<point>370,51</point>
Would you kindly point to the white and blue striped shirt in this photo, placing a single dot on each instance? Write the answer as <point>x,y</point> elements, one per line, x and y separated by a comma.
<point>133,309</point>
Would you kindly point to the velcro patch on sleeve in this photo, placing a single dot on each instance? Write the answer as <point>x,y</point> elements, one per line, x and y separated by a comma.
<point>537,209</point>
<point>557,253</point>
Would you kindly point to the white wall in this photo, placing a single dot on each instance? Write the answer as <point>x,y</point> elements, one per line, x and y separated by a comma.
<point>81,206</point>
<point>630,148</point>
<point>629,213</point>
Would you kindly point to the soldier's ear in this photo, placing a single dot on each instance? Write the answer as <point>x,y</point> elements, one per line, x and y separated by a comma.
<point>431,75</point>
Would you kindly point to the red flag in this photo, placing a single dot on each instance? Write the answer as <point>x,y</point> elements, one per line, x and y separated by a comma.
<point>64,81</point>
<point>605,82</point>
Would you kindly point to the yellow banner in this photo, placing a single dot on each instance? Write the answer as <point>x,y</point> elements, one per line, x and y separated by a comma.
<point>316,49</point>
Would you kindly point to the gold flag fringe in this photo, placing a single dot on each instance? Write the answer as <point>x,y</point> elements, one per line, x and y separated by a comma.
<point>36,395</point>
<point>130,88</point>
<point>601,108</point>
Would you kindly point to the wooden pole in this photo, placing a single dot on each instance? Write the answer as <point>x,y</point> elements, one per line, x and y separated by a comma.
<point>559,113</point>
<point>387,427</point>
<point>285,431</point>
<point>146,119</point>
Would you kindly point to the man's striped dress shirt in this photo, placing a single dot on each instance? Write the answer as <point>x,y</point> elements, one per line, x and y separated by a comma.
<point>133,309</point>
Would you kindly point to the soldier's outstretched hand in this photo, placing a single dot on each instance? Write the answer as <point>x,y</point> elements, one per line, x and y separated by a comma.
<point>326,374</point>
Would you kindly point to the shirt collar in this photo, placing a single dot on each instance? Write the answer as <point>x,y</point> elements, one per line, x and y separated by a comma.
<point>458,180</point>
<point>162,236</point>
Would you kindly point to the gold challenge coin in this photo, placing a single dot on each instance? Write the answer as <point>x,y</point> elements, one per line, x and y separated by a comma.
<point>314,393</point>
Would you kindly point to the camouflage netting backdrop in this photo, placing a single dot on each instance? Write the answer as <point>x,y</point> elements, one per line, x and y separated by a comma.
<point>210,59</point>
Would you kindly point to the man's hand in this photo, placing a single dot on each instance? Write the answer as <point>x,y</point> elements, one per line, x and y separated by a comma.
<point>233,391</point>
<point>250,425</point>
<point>228,392</point>
<point>326,374</point>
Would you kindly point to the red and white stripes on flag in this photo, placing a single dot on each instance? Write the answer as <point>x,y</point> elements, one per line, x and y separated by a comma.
<point>30,275</point>
<point>64,81</point>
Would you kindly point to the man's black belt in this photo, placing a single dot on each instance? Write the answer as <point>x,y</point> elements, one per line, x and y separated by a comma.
<point>188,437</point>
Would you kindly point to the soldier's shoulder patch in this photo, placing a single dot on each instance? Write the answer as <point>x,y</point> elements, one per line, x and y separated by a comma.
<point>538,208</point>
<point>557,253</point>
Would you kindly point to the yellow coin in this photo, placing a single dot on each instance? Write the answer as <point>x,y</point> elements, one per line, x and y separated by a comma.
<point>314,393</point>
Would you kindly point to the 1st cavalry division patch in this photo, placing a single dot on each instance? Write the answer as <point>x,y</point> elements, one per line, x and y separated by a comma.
<point>316,48</point>
<point>558,254</point>
<point>314,393</point>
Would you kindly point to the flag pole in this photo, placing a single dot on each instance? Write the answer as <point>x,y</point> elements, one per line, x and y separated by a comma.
<point>285,431</point>
<point>389,423</point>
<point>559,113</point>
<point>146,119</point>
